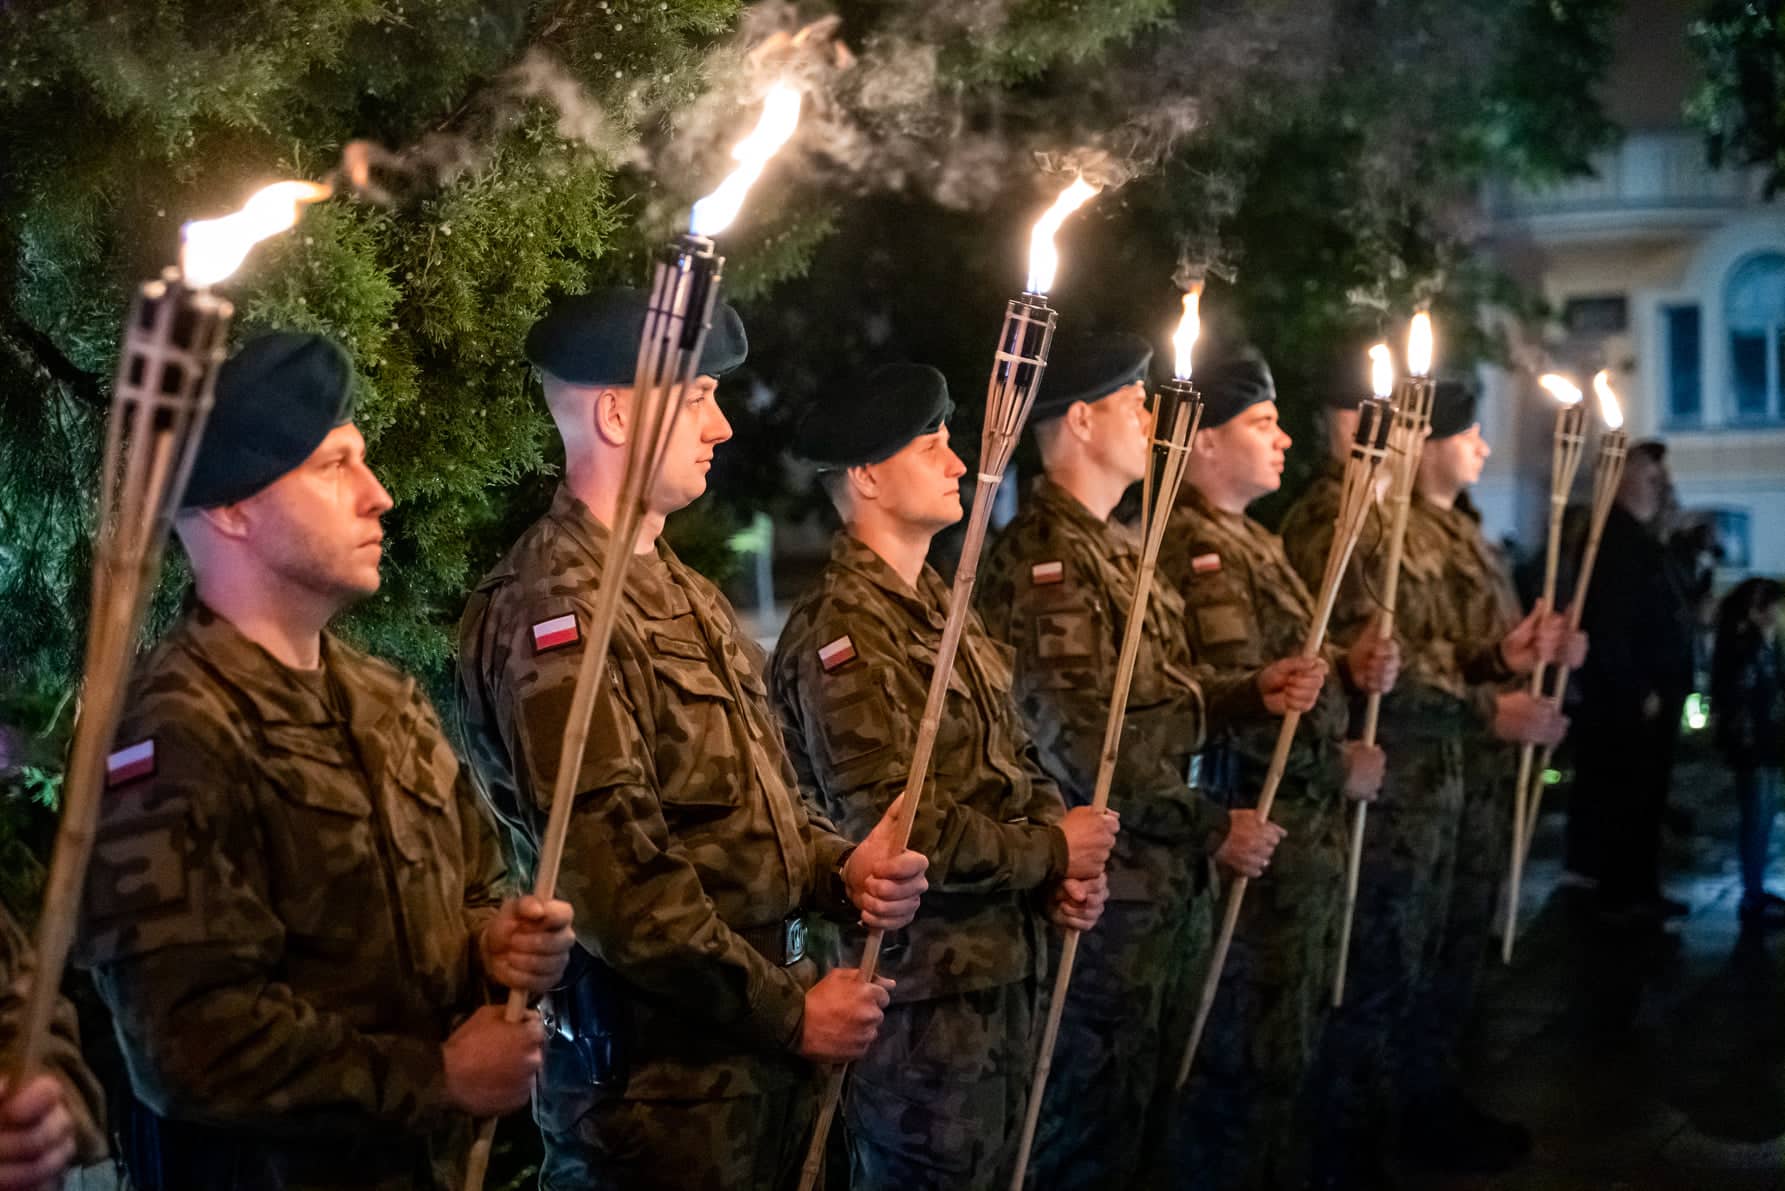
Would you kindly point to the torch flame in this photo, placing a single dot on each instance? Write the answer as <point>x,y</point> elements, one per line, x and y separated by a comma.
<point>1382,371</point>
<point>1044,258</point>
<point>1419,345</point>
<point>1608,401</point>
<point>212,249</point>
<point>780,115</point>
<point>1183,341</point>
<point>1560,387</point>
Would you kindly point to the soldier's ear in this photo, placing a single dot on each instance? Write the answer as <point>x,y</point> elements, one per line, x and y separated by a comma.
<point>863,482</point>
<point>612,415</point>
<point>225,520</point>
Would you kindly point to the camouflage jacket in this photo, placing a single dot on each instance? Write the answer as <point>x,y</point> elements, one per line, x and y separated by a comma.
<point>1057,586</point>
<point>851,673</point>
<point>282,907</point>
<point>61,1052</point>
<point>1448,615</point>
<point>689,840</point>
<point>1245,608</point>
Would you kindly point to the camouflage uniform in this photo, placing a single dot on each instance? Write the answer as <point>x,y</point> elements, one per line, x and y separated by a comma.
<point>938,1101</point>
<point>1246,607</point>
<point>690,860</point>
<point>282,913</point>
<point>61,1054</point>
<point>1057,586</point>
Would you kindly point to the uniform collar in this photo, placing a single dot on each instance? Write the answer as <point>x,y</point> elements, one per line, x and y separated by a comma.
<point>929,602</point>
<point>652,589</point>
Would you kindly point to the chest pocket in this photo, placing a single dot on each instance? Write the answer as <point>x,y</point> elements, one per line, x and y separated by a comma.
<point>321,835</point>
<point>960,741</point>
<point>698,756</point>
<point>1219,613</point>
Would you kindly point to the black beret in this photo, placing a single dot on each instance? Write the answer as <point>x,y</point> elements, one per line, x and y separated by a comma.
<point>1652,449</point>
<point>1089,368</point>
<point>277,399</point>
<point>874,419</point>
<point>1233,384</point>
<point>1453,407</point>
<point>592,339</point>
<point>1344,379</point>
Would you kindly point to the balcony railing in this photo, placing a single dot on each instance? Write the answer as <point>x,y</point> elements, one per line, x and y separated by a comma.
<point>1657,172</point>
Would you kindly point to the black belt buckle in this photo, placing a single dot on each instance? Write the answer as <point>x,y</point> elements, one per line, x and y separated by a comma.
<point>793,939</point>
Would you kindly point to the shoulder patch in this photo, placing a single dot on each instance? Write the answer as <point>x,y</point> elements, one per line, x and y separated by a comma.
<point>1202,564</point>
<point>1043,573</point>
<point>130,764</point>
<point>556,633</point>
<point>836,653</point>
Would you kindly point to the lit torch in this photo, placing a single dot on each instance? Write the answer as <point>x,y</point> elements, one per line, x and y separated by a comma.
<point>1177,410</point>
<point>1608,471</point>
<point>1017,365</point>
<point>684,292</point>
<point>1565,454</point>
<point>174,339</point>
<point>1406,440</point>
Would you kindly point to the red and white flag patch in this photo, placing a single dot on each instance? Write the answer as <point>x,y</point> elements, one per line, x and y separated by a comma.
<point>130,764</point>
<point>556,632</point>
<point>1202,564</point>
<point>836,653</point>
<point>1043,573</point>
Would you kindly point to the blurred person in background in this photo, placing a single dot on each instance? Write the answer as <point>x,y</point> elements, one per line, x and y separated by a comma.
<point>1748,702</point>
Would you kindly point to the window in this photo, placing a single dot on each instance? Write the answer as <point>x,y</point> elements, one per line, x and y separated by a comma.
<point>1601,314</point>
<point>1685,400</point>
<point>1754,304</point>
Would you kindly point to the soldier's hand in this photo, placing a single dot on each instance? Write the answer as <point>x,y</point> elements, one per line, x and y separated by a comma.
<point>36,1135</point>
<point>843,1013</point>
<point>490,1062</point>
<point>527,944</point>
<point>1374,662</point>
<point>1574,651</point>
<point>1250,843</point>
<point>1532,640</point>
<point>1292,684</point>
<point>1364,766</point>
<point>1077,905</point>
<point>1523,718</point>
<point>1090,834</point>
<point>885,882</point>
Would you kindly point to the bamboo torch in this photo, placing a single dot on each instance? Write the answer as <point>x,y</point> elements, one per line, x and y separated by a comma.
<point>1608,471</point>
<point>1406,440</point>
<point>1176,412</point>
<point>1360,490</point>
<point>1023,344</point>
<point>684,292</point>
<point>174,338</point>
<point>1564,462</point>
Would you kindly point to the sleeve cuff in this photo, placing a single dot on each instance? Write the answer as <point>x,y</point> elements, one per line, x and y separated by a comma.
<point>830,893</point>
<point>1059,861</point>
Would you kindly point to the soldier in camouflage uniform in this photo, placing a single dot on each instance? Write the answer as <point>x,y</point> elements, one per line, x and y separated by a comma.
<point>684,1055</point>
<point>1452,668</point>
<point>57,1119</point>
<point>1246,605</point>
<point>1056,586</point>
<point>292,908</point>
<point>939,1100</point>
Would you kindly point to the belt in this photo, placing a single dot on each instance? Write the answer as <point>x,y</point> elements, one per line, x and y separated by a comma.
<point>782,942</point>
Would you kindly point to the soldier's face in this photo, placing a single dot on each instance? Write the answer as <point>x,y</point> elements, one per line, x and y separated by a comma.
<point>318,527</point>
<point>1248,451</point>
<point>1121,425</point>
<point>920,487</point>
<point>699,430</point>
<point>1461,456</point>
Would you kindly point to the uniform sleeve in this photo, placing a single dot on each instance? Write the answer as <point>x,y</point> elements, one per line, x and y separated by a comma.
<point>486,875</point>
<point>638,899</point>
<point>855,727</point>
<point>186,950</point>
<point>81,1092</point>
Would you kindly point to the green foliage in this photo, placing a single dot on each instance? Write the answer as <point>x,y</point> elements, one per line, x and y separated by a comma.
<point>1740,102</point>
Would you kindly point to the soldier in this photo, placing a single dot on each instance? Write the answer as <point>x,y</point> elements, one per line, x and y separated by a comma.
<point>684,1054</point>
<point>1057,587</point>
<point>1245,605</point>
<point>293,907</point>
<point>939,1101</point>
<point>57,1119</point>
<point>1457,655</point>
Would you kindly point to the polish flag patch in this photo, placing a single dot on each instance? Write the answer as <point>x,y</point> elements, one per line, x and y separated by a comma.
<point>130,764</point>
<point>1202,564</point>
<point>1043,573</point>
<point>836,653</point>
<point>556,632</point>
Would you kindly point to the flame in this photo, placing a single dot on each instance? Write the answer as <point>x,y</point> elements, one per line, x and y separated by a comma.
<point>780,115</point>
<point>1560,387</point>
<point>1382,371</point>
<point>1608,401</point>
<point>1183,342</point>
<point>1044,258</point>
<point>212,249</point>
<point>1419,345</point>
